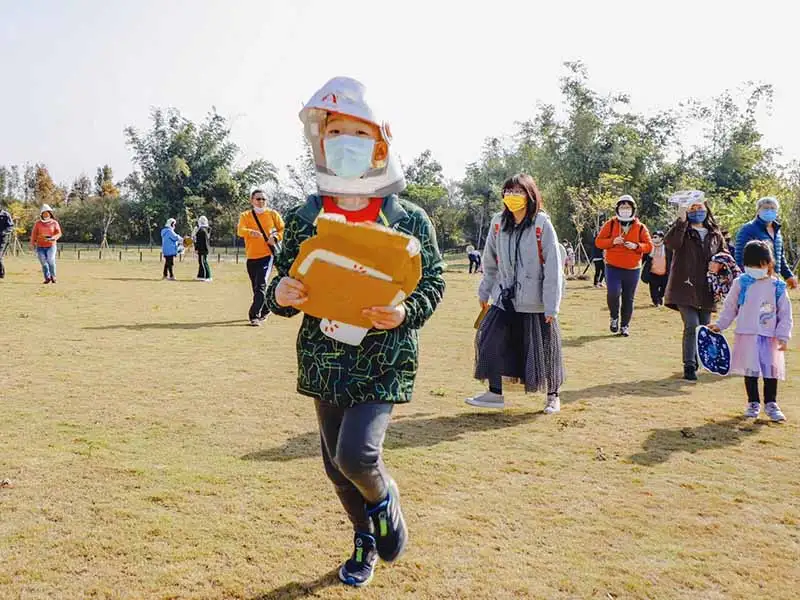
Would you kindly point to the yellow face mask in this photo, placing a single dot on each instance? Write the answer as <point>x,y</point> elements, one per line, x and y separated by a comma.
<point>515,202</point>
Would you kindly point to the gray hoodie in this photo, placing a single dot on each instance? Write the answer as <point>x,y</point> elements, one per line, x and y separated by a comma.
<point>539,286</point>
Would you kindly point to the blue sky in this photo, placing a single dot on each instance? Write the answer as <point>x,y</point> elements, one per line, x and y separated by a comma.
<point>76,73</point>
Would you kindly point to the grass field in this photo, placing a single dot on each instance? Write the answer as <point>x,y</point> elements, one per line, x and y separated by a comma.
<point>158,450</point>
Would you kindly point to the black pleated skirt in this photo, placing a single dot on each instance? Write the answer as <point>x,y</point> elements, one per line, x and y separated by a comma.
<point>519,348</point>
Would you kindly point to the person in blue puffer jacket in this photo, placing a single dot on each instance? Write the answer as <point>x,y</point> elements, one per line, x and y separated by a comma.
<point>765,227</point>
<point>170,245</point>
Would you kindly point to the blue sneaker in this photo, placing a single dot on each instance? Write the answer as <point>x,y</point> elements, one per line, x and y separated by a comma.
<point>358,570</point>
<point>390,527</point>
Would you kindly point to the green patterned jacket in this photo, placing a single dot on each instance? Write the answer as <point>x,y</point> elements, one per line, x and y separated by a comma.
<point>384,366</point>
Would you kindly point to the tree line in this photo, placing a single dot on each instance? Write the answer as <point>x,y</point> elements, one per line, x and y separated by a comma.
<point>584,153</point>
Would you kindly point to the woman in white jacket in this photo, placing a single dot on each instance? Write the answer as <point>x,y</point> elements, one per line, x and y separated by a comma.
<point>520,339</point>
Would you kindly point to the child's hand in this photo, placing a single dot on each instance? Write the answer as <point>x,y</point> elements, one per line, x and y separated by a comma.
<point>290,292</point>
<point>715,328</point>
<point>782,345</point>
<point>386,317</point>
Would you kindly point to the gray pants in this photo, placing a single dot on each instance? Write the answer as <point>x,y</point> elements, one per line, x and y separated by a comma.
<point>692,318</point>
<point>352,447</point>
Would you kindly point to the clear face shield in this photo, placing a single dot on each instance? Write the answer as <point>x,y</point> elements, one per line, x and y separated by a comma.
<point>350,162</point>
<point>351,165</point>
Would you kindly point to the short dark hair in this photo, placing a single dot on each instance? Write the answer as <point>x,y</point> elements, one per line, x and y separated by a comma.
<point>757,253</point>
<point>528,185</point>
<point>256,191</point>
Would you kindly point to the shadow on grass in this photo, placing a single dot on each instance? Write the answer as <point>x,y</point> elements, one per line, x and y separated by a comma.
<point>661,444</point>
<point>411,433</point>
<point>148,326</point>
<point>151,279</point>
<point>584,339</point>
<point>653,388</point>
<point>293,590</point>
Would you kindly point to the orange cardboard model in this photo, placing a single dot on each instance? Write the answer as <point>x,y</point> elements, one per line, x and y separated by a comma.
<point>348,267</point>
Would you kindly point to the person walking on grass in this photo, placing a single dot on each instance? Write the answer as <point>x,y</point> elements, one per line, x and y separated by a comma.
<point>44,240</point>
<point>569,269</point>
<point>170,246</point>
<point>520,338</point>
<point>766,227</point>
<point>262,229</point>
<point>694,238</point>
<point>760,305</point>
<point>655,271</point>
<point>474,257</point>
<point>6,235</point>
<point>202,245</point>
<point>625,240</point>
<point>355,385</point>
<point>599,261</point>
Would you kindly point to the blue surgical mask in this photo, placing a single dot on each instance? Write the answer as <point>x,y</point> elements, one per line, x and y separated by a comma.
<point>756,273</point>
<point>768,215</point>
<point>349,156</point>
<point>697,216</point>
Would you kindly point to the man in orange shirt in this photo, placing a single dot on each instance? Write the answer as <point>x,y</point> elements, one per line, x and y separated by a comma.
<point>262,229</point>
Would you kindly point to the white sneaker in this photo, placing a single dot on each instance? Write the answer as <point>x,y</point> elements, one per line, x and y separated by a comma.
<point>209,280</point>
<point>614,326</point>
<point>774,412</point>
<point>553,404</point>
<point>752,410</point>
<point>255,322</point>
<point>487,400</point>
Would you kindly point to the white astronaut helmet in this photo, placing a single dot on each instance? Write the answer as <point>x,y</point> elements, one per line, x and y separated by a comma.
<point>380,178</point>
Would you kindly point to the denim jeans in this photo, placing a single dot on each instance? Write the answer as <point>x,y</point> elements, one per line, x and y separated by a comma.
<point>352,448</point>
<point>692,319</point>
<point>47,257</point>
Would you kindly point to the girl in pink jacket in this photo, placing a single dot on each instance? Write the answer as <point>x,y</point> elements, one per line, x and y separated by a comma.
<point>759,303</point>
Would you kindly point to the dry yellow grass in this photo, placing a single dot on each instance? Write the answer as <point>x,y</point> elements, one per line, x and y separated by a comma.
<point>158,450</point>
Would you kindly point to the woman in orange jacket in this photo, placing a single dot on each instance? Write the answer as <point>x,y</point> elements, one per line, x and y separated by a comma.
<point>625,239</point>
<point>44,240</point>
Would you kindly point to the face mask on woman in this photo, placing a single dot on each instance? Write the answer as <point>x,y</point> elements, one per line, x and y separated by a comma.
<point>697,216</point>
<point>658,241</point>
<point>515,202</point>
<point>625,214</point>
<point>768,215</point>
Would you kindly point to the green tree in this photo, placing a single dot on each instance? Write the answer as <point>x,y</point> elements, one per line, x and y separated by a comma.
<point>184,169</point>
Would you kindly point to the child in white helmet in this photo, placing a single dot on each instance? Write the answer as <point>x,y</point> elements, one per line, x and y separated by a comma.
<point>355,384</point>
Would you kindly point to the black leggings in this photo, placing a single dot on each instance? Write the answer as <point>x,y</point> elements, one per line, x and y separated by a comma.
<point>599,271</point>
<point>770,389</point>
<point>621,283</point>
<point>658,287</point>
<point>169,261</point>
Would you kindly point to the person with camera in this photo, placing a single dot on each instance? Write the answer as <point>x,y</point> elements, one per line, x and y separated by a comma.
<point>262,229</point>
<point>519,339</point>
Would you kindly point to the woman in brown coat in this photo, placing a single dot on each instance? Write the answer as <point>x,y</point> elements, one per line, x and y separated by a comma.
<point>694,238</point>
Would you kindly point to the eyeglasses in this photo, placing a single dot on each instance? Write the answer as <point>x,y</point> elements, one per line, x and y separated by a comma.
<point>259,199</point>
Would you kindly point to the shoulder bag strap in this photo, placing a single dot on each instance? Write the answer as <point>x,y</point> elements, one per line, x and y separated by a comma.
<point>260,228</point>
